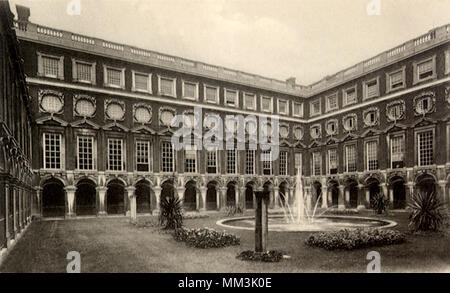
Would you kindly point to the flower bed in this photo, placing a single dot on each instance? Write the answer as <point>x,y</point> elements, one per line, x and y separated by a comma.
<point>205,238</point>
<point>270,256</point>
<point>353,239</point>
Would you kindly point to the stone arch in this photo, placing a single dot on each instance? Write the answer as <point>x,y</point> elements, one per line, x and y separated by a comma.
<point>283,192</point>
<point>397,187</point>
<point>211,195</point>
<point>190,196</point>
<point>85,197</point>
<point>351,189</point>
<point>250,188</point>
<point>373,186</point>
<point>333,189</point>
<point>143,196</point>
<point>115,196</point>
<point>232,188</point>
<point>53,198</point>
<point>426,183</point>
<point>113,178</point>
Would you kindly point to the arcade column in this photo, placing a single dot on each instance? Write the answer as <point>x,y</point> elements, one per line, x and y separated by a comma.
<point>70,191</point>
<point>157,190</point>
<point>132,199</point>
<point>101,200</point>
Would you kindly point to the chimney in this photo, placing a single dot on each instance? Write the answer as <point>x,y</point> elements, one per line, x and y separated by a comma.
<point>291,81</point>
<point>23,13</point>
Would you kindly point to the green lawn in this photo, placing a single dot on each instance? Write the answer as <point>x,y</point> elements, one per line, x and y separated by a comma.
<point>114,245</point>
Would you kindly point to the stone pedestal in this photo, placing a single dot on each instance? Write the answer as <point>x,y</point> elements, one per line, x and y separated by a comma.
<point>132,198</point>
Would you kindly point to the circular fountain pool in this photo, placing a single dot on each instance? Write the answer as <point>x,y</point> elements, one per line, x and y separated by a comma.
<point>323,223</point>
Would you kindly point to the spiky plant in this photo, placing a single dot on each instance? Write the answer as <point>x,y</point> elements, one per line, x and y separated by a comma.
<point>379,203</point>
<point>427,212</point>
<point>171,214</point>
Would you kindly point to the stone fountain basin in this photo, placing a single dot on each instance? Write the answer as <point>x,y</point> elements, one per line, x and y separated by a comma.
<point>278,223</point>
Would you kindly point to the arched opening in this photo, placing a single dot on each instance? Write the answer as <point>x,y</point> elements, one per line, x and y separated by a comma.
<point>334,191</point>
<point>399,193</point>
<point>317,193</point>
<point>167,189</point>
<point>283,192</point>
<point>143,198</point>
<point>249,195</point>
<point>211,196</point>
<point>352,188</point>
<point>426,184</point>
<point>115,202</point>
<point>374,188</point>
<point>53,199</point>
<point>231,194</point>
<point>85,198</point>
<point>190,196</point>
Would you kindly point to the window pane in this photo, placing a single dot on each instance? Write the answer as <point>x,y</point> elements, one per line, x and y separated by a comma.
<point>167,157</point>
<point>350,152</point>
<point>190,90</point>
<point>211,94</point>
<point>141,81</point>
<point>115,150</point>
<point>52,151</point>
<point>50,66</point>
<point>167,86</point>
<point>84,72</point>
<point>85,153</point>
<point>425,148</point>
<point>114,76</point>
<point>372,158</point>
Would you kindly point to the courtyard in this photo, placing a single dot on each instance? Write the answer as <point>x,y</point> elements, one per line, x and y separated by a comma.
<point>113,244</point>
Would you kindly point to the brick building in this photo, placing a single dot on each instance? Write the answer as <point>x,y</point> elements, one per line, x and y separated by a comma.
<point>101,137</point>
<point>16,190</point>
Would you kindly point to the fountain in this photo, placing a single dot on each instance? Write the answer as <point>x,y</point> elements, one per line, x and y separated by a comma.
<point>300,217</point>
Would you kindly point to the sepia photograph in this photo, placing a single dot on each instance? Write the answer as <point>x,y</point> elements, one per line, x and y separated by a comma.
<point>243,137</point>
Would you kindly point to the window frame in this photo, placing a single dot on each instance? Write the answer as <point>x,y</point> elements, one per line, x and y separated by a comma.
<point>61,147</point>
<point>262,155</point>
<point>40,65</point>
<point>122,156</point>
<point>105,76</point>
<point>345,102</point>
<point>149,154</point>
<point>174,86</point>
<point>216,152</point>
<point>301,114</point>
<point>287,106</point>
<point>416,64</point>
<point>366,153</point>
<point>94,151</point>
<point>334,148</point>
<point>93,65</point>
<point>346,162</point>
<point>389,81</point>
<point>417,144</point>
<point>133,82</point>
<point>261,104</point>
<point>195,163</point>
<point>253,162</point>
<point>286,165</point>
<point>174,157</point>
<point>366,86</point>
<point>183,91</point>
<point>390,137</point>
<point>217,88</point>
<point>313,162</point>
<point>311,107</point>
<point>236,158</point>
<point>225,95</point>
<point>327,104</point>
<point>254,101</point>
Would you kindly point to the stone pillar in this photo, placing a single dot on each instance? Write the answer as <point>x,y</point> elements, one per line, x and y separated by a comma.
<point>324,197</point>
<point>291,195</point>
<point>308,198</point>
<point>19,208</point>
<point>7,212</point>
<point>37,204</point>
<point>367,193</point>
<point>132,199</point>
<point>243,200</point>
<point>362,203</point>
<point>347,197</point>
<point>223,201</point>
<point>70,190</point>
<point>384,188</point>
<point>101,200</point>
<point>276,196</point>
<point>341,201</point>
<point>180,193</point>
<point>443,186</point>
<point>217,198</point>
<point>203,191</point>
<point>157,190</point>
<point>14,189</point>
<point>236,196</point>
<point>391,197</point>
<point>409,192</point>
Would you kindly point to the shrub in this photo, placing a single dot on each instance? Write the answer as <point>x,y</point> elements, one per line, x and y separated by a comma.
<point>353,239</point>
<point>205,238</point>
<point>233,210</point>
<point>427,212</point>
<point>171,214</point>
<point>270,256</point>
<point>379,203</point>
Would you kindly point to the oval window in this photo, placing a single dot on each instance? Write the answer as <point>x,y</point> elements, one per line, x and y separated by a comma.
<point>51,104</point>
<point>115,111</point>
<point>85,108</point>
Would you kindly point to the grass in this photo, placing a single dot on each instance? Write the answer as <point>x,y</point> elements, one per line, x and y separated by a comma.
<point>114,245</point>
